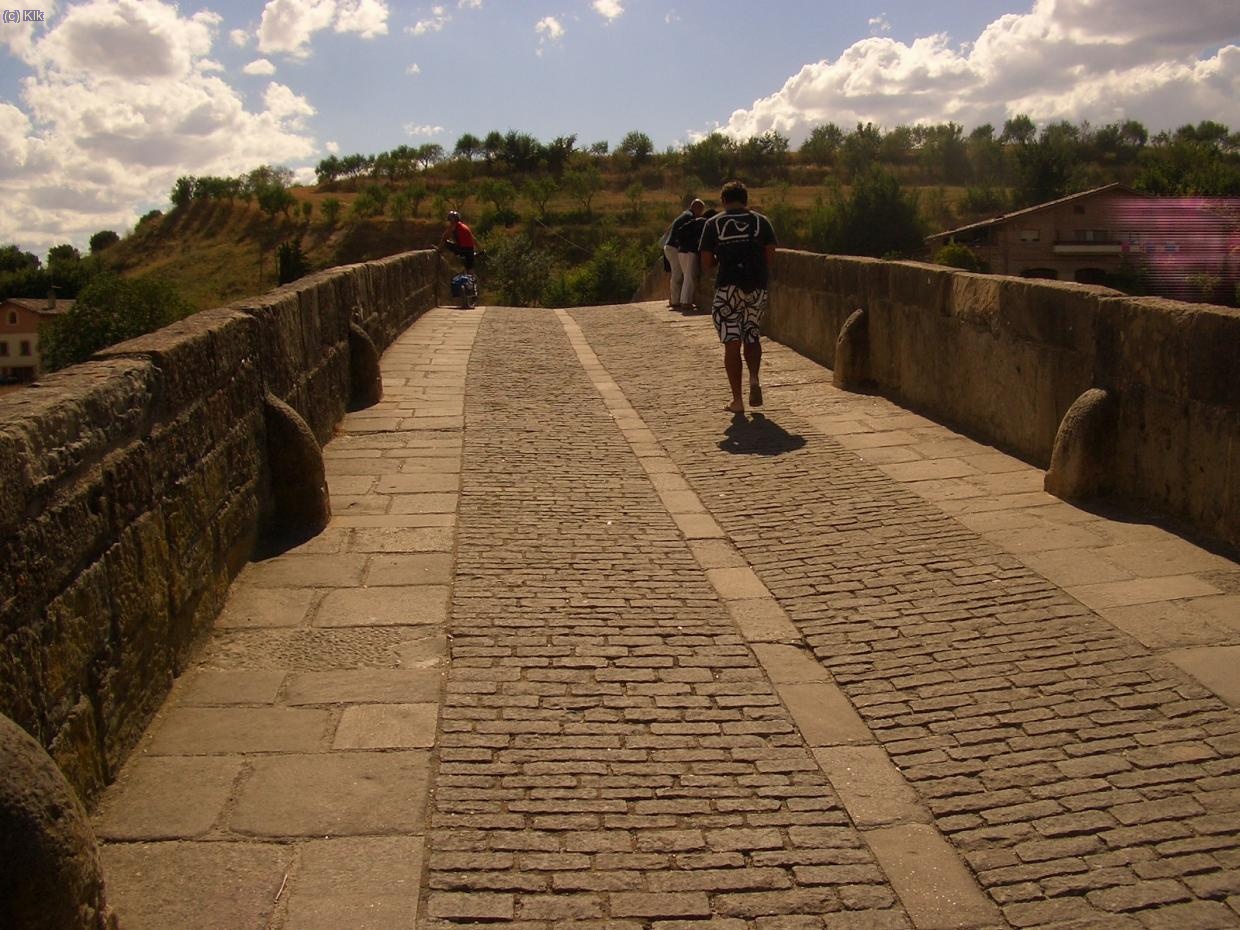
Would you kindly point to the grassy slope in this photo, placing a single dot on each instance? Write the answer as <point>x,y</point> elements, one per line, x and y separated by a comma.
<point>215,252</point>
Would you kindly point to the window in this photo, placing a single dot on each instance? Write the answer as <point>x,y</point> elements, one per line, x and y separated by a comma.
<point>1049,273</point>
<point>1030,235</point>
<point>4,350</point>
<point>12,317</point>
<point>25,347</point>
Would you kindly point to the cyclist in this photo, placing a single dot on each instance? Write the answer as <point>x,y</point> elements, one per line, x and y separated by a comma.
<point>459,239</point>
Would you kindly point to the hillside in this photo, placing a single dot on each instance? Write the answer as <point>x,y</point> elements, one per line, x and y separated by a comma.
<point>214,252</point>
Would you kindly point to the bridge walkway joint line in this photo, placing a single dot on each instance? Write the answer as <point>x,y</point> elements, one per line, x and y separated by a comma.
<point>835,667</point>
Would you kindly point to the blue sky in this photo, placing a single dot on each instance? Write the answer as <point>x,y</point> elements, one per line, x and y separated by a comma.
<point>106,102</point>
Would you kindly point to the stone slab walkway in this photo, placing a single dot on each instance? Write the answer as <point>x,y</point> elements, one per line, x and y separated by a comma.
<point>580,648</point>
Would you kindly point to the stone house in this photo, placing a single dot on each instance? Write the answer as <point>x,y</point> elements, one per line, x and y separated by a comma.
<point>1182,247</point>
<point>20,319</point>
<point>1084,237</point>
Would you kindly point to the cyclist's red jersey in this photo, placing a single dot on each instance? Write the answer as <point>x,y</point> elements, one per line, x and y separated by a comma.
<point>465,237</point>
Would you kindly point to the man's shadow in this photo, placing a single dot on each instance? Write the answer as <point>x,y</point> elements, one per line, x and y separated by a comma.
<point>758,436</point>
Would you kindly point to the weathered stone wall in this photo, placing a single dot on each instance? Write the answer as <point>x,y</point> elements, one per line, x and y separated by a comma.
<point>134,487</point>
<point>1004,359</point>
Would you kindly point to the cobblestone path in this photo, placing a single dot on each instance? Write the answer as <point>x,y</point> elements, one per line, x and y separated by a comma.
<point>1087,782</point>
<point>580,650</point>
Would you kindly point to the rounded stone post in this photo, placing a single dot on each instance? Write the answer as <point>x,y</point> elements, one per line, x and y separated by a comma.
<point>1082,459</point>
<point>298,477</point>
<point>365,378</point>
<point>51,878</point>
<point>852,353</point>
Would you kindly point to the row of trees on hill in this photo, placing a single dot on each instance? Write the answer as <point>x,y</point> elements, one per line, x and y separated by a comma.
<point>65,270</point>
<point>1039,164</point>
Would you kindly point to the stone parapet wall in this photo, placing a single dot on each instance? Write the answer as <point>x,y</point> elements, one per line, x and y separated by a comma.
<point>1004,359</point>
<point>135,486</point>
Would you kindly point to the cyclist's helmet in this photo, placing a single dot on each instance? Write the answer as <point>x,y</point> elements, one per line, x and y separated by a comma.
<point>453,216</point>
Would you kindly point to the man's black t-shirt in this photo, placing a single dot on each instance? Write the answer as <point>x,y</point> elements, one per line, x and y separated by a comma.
<point>678,227</point>
<point>738,240</point>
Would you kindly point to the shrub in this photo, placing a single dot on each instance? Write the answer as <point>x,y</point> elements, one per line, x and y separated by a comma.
<point>958,255</point>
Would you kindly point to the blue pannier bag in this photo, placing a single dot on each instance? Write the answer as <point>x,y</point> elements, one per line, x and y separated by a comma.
<point>462,284</point>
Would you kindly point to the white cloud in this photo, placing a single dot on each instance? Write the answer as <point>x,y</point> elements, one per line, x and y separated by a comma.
<point>548,29</point>
<point>287,26</point>
<point>671,16</point>
<point>368,18</point>
<point>1099,60</point>
<point>287,106</point>
<point>14,136</point>
<point>414,68</point>
<point>20,36</point>
<point>879,25</point>
<point>259,66</point>
<point>413,129</point>
<point>469,4</point>
<point>608,9</point>
<point>438,19</point>
<point>333,148</point>
<point>121,99</point>
<point>239,38</point>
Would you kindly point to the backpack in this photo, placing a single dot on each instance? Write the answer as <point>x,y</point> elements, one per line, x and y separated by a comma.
<point>740,256</point>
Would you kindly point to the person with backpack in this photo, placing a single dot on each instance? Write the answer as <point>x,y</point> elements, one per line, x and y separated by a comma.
<point>742,244</point>
<point>682,256</point>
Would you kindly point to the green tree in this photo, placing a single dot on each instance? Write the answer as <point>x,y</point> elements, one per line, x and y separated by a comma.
<point>291,262</point>
<point>878,218</point>
<point>822,144</point>
<point>1019,130</point>
<point>468,147</point>
<point>861,148</point>
<point>583,185</point>
<point>330,209</point>
<point>12,258</point>
<point>182,191</point>
<point>559,153</point>
<point>328,170</point>
<point>637,146</point>
<point>109,310</point>
<point>634,194</point>
<point>417,192</point>
<point>944,153</point>
<point>539,191</point>
<point>500,193</point>
<point>519,271</point>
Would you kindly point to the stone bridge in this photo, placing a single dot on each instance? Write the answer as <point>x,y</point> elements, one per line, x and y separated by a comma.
<point>545,637</point>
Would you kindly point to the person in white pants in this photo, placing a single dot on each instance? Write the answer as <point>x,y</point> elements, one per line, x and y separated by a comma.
<point>684,274</point>
<point>672,255</point>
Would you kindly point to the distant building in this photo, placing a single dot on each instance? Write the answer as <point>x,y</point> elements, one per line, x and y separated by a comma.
<point>20,318</point>
<point>1182,247</point>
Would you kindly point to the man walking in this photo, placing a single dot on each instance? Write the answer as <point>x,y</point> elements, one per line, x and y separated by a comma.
<point>742,244</point>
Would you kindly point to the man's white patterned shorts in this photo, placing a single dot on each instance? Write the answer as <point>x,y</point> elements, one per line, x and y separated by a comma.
<point>738,313</point>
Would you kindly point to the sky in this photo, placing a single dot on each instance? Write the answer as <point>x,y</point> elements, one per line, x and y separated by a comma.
<point>104,103</point>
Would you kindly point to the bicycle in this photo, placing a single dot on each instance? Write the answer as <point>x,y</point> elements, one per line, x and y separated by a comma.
<point>464,286</point>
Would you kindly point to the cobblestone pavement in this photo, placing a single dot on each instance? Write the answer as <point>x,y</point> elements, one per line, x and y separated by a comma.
<point>579,648</point>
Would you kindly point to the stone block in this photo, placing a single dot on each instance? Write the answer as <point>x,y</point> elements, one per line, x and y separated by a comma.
<point>207,886</point>
<point>414,605</point>
<point>369,883</point>
<point>387,726</point>
<point>167,798</point>
<point>193,731</point>
<point>333,794</point>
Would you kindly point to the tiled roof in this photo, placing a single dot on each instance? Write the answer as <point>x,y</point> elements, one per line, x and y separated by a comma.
<point>39,305</point>
<point>995,221</point>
